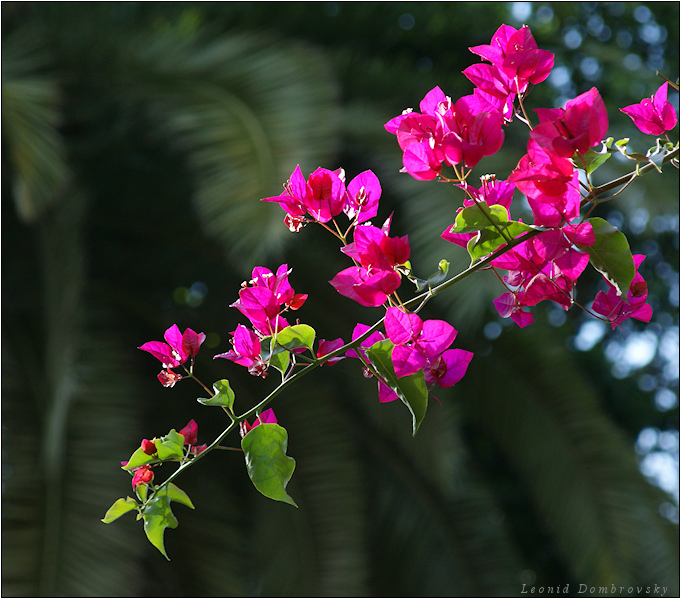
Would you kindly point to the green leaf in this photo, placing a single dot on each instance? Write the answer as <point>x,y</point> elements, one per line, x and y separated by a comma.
<point>142,491</point>
<point>177,494</point>
<point>434,279</point>
<point>139,458</point>
<point>224,396</point>
<point>592,159</point>
<point>121,506</point>
<point>268,466</point>
<point>488,240</point>
<point>278,357</point>
<point>480,216</point>
<point>611,255</point>
<point>410,389</point>
<point>170,446</point>
<point>281,361</point>
<point>298,335</point>
<point>484,243</point>
<point>157,517</point>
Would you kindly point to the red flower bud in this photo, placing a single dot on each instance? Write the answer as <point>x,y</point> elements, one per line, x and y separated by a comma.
<point>148,447</point>
<point>143,475</point>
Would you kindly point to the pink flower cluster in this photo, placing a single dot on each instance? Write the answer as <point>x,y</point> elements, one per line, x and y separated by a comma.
<point>324,195</point>
<point>465,131</point>
<point>178,349</point>
<point>544,268</point>
<point>653,116</point>
<point>419,345</point>
<point>262,300</point>
<point>377,257</point>
<point>547,174</point>
<point>617,308</point>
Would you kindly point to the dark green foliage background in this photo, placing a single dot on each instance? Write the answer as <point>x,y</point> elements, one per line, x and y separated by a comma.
<point>137,141</point>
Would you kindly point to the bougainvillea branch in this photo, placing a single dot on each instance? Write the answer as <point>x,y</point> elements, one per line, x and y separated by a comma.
<point>408,356</point>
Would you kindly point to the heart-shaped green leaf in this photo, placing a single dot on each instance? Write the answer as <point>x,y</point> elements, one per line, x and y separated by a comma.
<point>269,468</point>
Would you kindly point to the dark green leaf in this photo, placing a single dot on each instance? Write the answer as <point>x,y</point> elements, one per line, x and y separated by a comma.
<point>121,506</point>
<point>224,396</point>
<point>611,255</point>
<point>410,389</point>
<point>268,466</point>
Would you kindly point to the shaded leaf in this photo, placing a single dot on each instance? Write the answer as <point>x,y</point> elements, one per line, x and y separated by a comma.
<point>410,389</point>
<point>610,255</point>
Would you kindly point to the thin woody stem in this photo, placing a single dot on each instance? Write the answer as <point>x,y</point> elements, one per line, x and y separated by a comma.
<point>626,179</point>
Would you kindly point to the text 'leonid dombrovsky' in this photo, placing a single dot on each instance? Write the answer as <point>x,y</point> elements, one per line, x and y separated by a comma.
<point>587,590</point>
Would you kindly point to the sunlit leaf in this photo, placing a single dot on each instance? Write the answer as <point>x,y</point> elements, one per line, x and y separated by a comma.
<point>224,396</point>
<point>120,506</point>
<point>296,336</point>
<point>269,468</point>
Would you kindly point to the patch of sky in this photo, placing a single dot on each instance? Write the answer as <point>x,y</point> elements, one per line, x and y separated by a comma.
<point>572,38</point>
<point>590,333</point>
<point>642,14</point>
<point>632,62</point>
<point>544,15</point>
<point>615,218</point>
<point>666,399</point>
<point>406,21</point>
<point>662,469</point>
<point>560,77</point>
<point>492,330</point>
<point>556,316</point>
<point>624,39</point>
<point>652,33</point>
<point>638,221</point>
<point>659,451</point>
<point>590,67</point>
<point>636,351</point>
<point>521,11</point>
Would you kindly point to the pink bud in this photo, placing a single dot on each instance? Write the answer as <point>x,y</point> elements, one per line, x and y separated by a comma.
<point>190,432</point>
<point>168,378</point>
